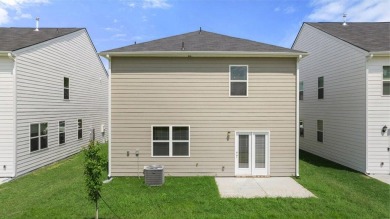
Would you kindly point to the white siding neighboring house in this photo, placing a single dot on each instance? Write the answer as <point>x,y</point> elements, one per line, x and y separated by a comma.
<point>53,92</point>
<point>202,103</point>
<point>354,63</point>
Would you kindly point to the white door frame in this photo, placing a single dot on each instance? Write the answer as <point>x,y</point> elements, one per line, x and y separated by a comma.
<point>251,170</point>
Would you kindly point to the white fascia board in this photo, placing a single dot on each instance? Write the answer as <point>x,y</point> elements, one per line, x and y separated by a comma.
<point>379,53</point>
<point>201,54</point>
<point>5,53</point>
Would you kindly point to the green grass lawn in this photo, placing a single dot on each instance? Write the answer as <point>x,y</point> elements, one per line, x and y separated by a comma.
<point>58,191</point>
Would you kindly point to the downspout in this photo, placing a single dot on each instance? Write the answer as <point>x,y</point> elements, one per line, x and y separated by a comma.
<point>109,115</point>
<point>369,57</point>
<point>13,57</point>
<point>297,119</point>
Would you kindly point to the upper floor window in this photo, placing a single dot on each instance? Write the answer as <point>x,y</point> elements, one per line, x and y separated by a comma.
<point>38,136</point>
<point>321,88</point>
<point>66,88</point>
<point>301,90</point>
<point>320,130</point>
<point>171,141</point>
<point>80,128</point>
<point>61,132</point>
<point>238,80</point>
<point>386,80</point>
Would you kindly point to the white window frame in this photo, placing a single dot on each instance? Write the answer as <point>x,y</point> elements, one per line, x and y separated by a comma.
<point>170,140</point>
<point>322,131</point>
<point>323,88</point>
<point>61,132</point>
<point>383,80</point>
<point>78,129</point>
<point>301,89</point>
<point>39,136</point>
<point>247,80</point>
<point>64,88</point>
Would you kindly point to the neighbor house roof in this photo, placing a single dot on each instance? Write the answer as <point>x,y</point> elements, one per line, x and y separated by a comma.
<point>13,38</point>
<point>200,41</point>
<point>369,36</point>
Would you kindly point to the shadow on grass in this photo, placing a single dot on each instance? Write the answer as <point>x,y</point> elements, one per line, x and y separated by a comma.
<point>322,162</point>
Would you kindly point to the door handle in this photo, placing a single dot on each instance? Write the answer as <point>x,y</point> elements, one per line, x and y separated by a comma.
<point>236,154</point>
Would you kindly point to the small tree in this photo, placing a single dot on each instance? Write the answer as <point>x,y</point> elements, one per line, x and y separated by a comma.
<point>93,173</point>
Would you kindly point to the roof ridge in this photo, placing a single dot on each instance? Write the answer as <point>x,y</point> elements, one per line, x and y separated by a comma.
<point>207,41</point>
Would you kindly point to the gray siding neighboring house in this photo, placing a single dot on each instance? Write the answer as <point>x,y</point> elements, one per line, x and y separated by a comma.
<point>352,60</point>
<point>173,103</point>
<point>33,68</point>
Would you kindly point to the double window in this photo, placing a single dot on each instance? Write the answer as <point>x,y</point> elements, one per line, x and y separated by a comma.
<point>320,130</point>
<point>66,88</point>
<point>38,136</point>
<point>301,90</point>
<point>80,129</point>
<point>238,78</point>
<point>171,141</point>
<point>321,91</point>
<point>61,132</point>
<point>386,80</point>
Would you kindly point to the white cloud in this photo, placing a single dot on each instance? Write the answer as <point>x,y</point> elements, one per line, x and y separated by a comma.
<point>357,11</point>
<point>146,4</point>
<point>111,29</point>
<point>155,4</point>
<point>285,10</point>
<point>23,16</point>
<point>17,7</point>
<point>131,5</point>
<point>289,10</point>
<point>119,35</point>
<point>3,16</point>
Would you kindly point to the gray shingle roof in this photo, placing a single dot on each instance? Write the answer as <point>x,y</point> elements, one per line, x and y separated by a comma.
<point>202,41</point>
<point>369,36</point>
<point>12,38</point>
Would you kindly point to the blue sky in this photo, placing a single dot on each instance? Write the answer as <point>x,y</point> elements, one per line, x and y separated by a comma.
<point>116,23</point>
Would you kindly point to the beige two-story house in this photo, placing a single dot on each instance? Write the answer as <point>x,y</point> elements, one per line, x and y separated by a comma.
<point>202,103</point>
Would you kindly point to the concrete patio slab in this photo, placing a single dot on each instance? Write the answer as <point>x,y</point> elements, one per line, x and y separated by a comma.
<point>233,187</point>
<point>384,178</point>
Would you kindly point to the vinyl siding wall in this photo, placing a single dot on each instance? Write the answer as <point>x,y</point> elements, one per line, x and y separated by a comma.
<point>343,107</point>
<point>7,137</point>
<point>40,73</point>
<point>378,115</point>
<point>195,92</point>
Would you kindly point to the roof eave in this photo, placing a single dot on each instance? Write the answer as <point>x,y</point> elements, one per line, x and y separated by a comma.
<point>5,53</point>
<point>379,53</point>
<point>202,54</point>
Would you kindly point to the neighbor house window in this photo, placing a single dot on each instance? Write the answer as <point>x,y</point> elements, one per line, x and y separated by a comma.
<point>321,88</point>
<point>80,129</point>
<point>238,81</point>
<point>301,129</point>
<point>66,88</point>
<point>61,132</point>
<point>301,90</point>
<point>386,80</point>
<point>38,136</point>
<point>320,130</point>
<point>171,141</point>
